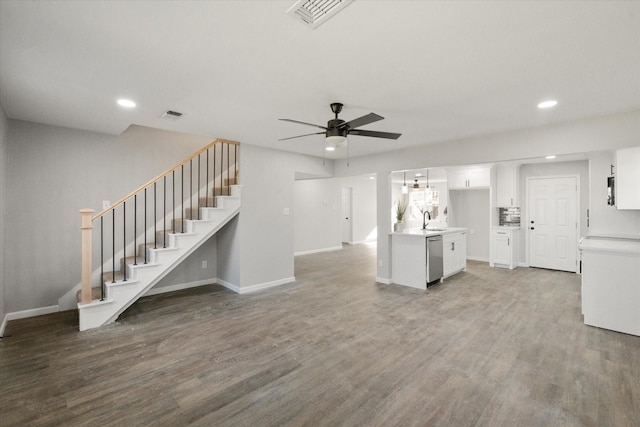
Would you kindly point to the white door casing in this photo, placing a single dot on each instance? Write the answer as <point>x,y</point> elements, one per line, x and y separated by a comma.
<point>552,222</point>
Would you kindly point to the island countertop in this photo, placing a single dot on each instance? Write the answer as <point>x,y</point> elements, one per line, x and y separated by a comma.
<point>418,232</point>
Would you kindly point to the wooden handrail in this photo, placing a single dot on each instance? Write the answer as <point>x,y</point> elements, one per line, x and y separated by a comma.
<point>165,173</point>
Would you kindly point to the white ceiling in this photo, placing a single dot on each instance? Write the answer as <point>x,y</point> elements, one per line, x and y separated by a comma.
<point>436,71</point>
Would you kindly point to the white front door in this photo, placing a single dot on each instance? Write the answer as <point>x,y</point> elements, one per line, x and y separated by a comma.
<point>553,223</point>
<point>346,215</point>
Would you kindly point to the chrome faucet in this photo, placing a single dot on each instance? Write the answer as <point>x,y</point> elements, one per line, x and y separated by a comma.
<point>424,219</point>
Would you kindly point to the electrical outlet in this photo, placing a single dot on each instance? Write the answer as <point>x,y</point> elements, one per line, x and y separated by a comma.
<point>285,211</point>
<point>204,264</point>
<point>105,204</point>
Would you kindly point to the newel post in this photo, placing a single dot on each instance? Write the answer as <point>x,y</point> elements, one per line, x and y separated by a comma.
<point>86,227</point>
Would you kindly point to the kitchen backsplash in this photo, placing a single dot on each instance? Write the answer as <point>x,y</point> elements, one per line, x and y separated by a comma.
<point>509,217</point>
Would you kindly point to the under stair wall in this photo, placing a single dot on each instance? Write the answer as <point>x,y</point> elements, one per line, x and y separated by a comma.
<point>141,238</point>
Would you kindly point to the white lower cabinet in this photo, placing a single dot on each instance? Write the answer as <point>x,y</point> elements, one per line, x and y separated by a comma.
<point>504,247</point>
<point>454,256</point>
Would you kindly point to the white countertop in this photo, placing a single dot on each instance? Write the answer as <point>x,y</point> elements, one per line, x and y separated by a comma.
<point>508,227</point>
<point>629,245</point>
<point>418,232</point>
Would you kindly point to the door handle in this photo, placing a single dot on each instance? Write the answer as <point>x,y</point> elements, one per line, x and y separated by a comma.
<point>532,228</point>
<point>453,246</point>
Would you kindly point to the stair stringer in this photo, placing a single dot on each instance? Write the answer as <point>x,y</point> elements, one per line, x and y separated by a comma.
<point>142,277</point>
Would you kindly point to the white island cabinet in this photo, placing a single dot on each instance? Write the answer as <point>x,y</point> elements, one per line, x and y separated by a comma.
<point>454,253</point>
<point>611,283</point>
<point>409,255</point>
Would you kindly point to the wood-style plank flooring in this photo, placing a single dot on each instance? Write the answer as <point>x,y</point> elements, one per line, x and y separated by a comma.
<point>488,347</point>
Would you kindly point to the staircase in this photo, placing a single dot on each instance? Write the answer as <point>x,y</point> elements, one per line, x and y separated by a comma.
<point>148,235</point>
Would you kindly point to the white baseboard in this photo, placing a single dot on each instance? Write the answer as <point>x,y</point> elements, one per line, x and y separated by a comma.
<point>477,258</point>
<point>383,280</point>
<point>315,251</point>
<point>254,288</point>
<point>179,287</point>
<point>359,242</point>
<point>27,313</point>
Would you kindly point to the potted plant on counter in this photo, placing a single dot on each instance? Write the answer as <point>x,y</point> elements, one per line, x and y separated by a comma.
<point>401,208</point>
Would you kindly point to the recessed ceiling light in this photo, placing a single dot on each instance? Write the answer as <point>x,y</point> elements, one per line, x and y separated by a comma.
<point>330,148</point>
<point>126,103</point>
<point>418,174</point>
<point>547,104</point>
<point>550,157</point>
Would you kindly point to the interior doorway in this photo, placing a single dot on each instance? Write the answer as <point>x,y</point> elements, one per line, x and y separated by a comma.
<point>552,222</point>
<point>347,208</point>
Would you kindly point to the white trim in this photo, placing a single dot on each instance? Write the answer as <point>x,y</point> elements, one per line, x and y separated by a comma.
<point>3,326</point>
<point>180,286</point>
<point>477,258</point>
<point>365,241</point>
<point>266,285</point>
<point>315,251</point>
<point>228,285</point>
<point>254,288</point>
<point>33,312</point>
<point>383,280</point>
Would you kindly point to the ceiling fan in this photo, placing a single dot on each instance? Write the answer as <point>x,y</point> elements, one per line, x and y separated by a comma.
<point>337,130</point>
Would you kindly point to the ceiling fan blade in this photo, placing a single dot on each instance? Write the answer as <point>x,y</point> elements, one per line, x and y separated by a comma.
<point>375,134</point>
<point>361,121</point>
<point>303,123</point>
<point>300,136</point>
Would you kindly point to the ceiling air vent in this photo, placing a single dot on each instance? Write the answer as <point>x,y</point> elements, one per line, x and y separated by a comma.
<point>171,115</point>
<point>313,13</point>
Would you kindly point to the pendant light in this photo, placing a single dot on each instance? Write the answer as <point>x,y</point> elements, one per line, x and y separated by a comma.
<point>405,189</point>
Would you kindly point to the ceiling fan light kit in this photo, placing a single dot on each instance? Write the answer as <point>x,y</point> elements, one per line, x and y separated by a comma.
<point>337,130</point>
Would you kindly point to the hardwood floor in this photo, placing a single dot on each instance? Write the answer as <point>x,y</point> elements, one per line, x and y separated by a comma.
<point>488,347</point>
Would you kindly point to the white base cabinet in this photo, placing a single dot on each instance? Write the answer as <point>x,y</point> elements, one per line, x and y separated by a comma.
<point>504,247</point>
<point>454,254</point>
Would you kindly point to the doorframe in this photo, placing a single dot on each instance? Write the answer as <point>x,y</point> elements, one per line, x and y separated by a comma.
<point>527,220</point>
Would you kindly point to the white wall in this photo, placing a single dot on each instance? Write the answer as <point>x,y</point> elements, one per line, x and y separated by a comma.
<point>318,212</point>
<point>4,131</point>
<point>364,202</point>
<point>606,220</point>
<point>317,215</point>
<point>583,136</point>
<point>52,173</point>
<point>470,209</point>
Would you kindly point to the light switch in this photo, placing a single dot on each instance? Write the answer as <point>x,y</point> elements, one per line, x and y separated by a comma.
<point>105,204</point>
<point>285,211</point>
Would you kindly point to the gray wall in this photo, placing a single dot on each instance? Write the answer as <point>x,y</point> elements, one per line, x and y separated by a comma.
<point>263,245</point>
<point>4,130</point>
<point>52,173</point>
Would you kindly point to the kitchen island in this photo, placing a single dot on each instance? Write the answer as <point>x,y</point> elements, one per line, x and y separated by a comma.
<point>611,283</point>
<point>409,255</point>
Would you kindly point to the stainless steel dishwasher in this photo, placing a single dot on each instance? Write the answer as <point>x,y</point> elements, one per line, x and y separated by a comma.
<point>434,259</point>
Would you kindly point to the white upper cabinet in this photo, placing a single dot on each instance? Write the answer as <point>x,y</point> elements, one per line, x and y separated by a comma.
<point>627,174</point>
<point>469,177</point>
<point>507,183</point>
